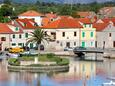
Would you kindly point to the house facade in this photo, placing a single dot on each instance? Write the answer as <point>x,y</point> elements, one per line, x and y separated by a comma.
<point>65,33</point>
<point>87,33</point>
<point>37,17</point>
<point>105,34</point>
<point>26,26</point>
<point>6,32</point>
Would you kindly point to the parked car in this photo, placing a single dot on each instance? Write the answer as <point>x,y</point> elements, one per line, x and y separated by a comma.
<point>79,48</point>
<point>41,47</point>
<point>16,50</point>
<point>68,49</point>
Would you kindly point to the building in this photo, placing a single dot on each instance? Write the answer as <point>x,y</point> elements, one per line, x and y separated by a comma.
<point>86,14</point>
<point>107,12</point>
<point>105,33</point>
<point>87,33</point>
<point>64,32</point>
<point>32,15</point>
<point>26,26</point>
<point>6,32</point>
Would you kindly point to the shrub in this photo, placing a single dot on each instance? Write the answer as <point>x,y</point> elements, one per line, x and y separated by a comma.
<point>63,62</point>
<point>50,55</point>
<point>14,61</point>
<point>26,58</point>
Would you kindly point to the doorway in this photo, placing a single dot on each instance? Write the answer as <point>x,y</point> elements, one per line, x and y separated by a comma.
<point>68,44</point>
<point>113,43</point>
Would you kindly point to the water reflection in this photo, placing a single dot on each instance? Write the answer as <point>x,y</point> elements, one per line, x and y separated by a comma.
<point>81,73</point>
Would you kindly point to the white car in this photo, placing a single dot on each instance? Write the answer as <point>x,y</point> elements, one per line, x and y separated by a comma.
<point>68,49</point>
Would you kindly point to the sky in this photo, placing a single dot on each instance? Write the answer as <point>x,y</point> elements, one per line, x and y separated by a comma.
<point>62,1</point>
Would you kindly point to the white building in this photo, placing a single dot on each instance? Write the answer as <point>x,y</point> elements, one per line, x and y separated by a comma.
<point>65,33</point>
<point>6,31</point>
<point>32,15</point>
<point>105,33</point>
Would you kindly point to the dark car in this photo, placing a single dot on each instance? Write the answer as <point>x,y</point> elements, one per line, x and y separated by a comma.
<point>78,48</point>
<point>41,47</point>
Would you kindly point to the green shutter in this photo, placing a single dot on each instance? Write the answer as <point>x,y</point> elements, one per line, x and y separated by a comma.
<point>13,44</point>
<point>83,34</point>
<point>91,34</point>
<point>83,44</point>
<point>85,25</point>
<point>91,43</point>
<point>26,35</point>
<point>19,44</point>
<point>16,28</point>
<point>31,45</point>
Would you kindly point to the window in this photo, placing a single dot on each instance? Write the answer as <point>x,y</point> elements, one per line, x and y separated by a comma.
<point>109,34</point>
<point>91,43</point>
<point>83,34</point>
<point>91,34</point>
<point>16,28</point>
<point>83,44</point>
<point>63,34</point>
<point>26,35</point>
<point>20,36</point>
<point>75,34</point>
<point>57,41</point>
<point>3,38</point>
<point>35,24</point>
<point>74,43</point>
<point>20,44</point>
<point>13,44</point>
<point>61,44</point>
<point>85,25</point>
<point>25,24</point>
<point>90,25</point>
<point>13,36</point>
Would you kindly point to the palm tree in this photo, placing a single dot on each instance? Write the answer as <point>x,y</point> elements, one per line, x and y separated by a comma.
<point>37,37</point>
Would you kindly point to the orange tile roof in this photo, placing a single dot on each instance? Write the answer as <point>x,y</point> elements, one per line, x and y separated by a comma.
<point>50,15</point>
<point>4,29</point>
<point>85,14</point>
<point>45,21</point>
<point>27,23</point>
<point>63,23</point>
<point>84,20</point>
<point>31,13</point>
<point>100,26</point>
<point>107,20</point>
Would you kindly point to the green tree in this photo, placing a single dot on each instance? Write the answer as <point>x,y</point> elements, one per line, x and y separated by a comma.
<point>65,10</point>
<point>37,37</point>
<point>7,2</point>
<point>6,10</point>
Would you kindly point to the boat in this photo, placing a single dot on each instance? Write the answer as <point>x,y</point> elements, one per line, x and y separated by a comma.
<point>111,83</point>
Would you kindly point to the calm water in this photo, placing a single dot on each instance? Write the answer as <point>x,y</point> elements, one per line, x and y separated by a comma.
<point>81,73</point>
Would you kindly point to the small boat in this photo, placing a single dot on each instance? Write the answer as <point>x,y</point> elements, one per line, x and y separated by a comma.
<point>111,83</point>
<point>111,78</point>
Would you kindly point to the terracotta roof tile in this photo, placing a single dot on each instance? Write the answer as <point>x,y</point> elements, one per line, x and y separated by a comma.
<point>50,15</point>
<point>85,14</point>
<point>4,29</point>
<point>31,13</point>
<point>27,23</point>
<point>84,20</point>
<point>63,23</point>
<point>45,21</point>
<point>100,26</point>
